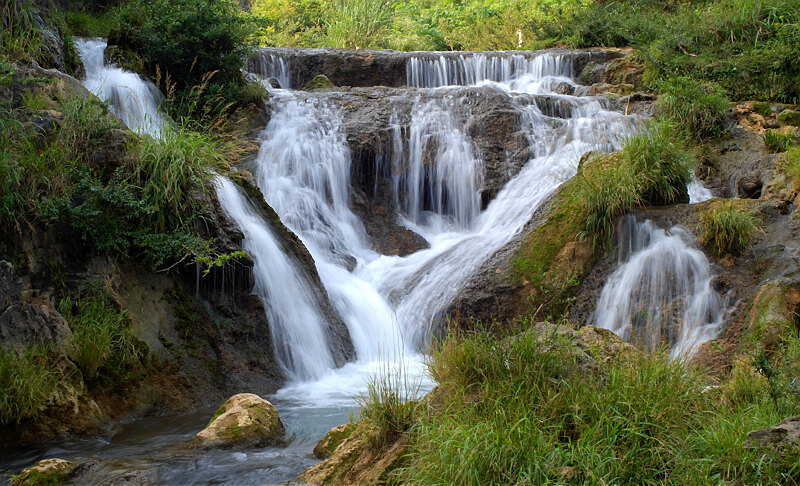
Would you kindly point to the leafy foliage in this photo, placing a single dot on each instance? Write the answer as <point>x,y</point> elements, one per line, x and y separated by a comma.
<point>696,108</point>
<point>777,141</point>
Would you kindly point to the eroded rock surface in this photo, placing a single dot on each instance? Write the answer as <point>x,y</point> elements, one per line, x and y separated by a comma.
<point>245,420</point>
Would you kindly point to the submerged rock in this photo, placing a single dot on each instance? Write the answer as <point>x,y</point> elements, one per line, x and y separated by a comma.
<point>48,471</point>
<point>245,420</point>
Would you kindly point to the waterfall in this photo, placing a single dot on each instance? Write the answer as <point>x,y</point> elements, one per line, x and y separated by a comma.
<point>296,322</point>
<point>517,72</point>
<point>662,294</point>
<point>698,192</point>
<point>270,67</point>
<point>436,170</point>
<point>390,302</point>
<point>134,100</point>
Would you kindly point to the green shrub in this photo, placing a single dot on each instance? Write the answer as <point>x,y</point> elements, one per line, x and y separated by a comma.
<point>778,141</point>
<point>358,23</point>
<point>27,380</point>
<point>696,108</point>
<point>727,228</point>
<point>101,332</point>
<point>188,40</point>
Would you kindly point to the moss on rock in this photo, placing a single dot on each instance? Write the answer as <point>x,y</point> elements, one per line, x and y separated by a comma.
<point>245,420</point>
<point>49,472</point>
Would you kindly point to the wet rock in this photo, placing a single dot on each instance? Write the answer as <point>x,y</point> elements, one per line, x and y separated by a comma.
<point>781,438</point>
<point>48,471</point>
<point>245,420</point>
<point>26,321</point>
<point>774,313</point>
<point>332,440</point>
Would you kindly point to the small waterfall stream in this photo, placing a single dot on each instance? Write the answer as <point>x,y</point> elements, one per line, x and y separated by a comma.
<point>662,294</point>
<point>134,100</point>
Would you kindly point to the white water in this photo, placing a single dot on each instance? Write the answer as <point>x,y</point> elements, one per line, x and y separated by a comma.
<point>662,293</point>
<point>698,192</point>
<point>271,67</point>
<point>134,100</point>
<point>296,322</point>
<point>389,303</point>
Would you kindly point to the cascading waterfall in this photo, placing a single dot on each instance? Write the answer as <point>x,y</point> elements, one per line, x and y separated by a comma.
<point>134,100</point>
<point>270,67</point>
<point>662,294</point>
<point>436,166</point>
<point>698,192</point>
<point>296,322</point>
<point>516,72</point>
<point>389,302</point>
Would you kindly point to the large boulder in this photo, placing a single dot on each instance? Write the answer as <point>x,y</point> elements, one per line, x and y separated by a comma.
<point>245,420</point>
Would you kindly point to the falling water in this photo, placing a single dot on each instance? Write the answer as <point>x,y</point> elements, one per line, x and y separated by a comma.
<point>662,293</point>
<point>698,192</point>
<point>270,67</point>
<point>515,71</point>
<point>134,100</point>
<point>436,165</point>
<point>296,322</point>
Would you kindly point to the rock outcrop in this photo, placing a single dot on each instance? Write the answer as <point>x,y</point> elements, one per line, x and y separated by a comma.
<point>782,438</point>
<point>45,472</point>
<point>245,420</point>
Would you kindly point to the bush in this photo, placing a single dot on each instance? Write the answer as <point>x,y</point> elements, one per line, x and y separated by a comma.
<point>696,108</point>
<point>778,141</point>
<point>188,40</point>
<point>727,228</point>
<point>27,380</point>
<point>358,23</point>
<point>101,334</point>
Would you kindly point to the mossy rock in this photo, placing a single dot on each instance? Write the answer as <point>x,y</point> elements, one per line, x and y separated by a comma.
<point>789,117</point>
<point>245,420</point>
<point>320,81</point>
<point>332,440</point>
<point>45,472</point>
<point>772,315</point>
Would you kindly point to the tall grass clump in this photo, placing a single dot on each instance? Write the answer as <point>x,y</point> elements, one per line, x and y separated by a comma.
<point>103,340</point>
<point>27,381</point>
<point>169,168</point>
<point>727,228</point>
<point>19,35</point>
<point>778,141</point>
<point>653,167</point>
<point>534,409</point>
<point>390,402</point>
<point>792,166</point>
<point>696,108</point>
<point>359,23</point>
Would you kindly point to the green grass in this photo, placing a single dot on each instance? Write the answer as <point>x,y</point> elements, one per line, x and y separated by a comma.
<point>27,380</point>
<point>727,228</point>
<point>525,410</point>
<point>792,166</point>
<point>698,109</point>
<point>653,168</point>
<point>778,141</point>
<point>103,341</point>
<point>389,403</point>
<point>19,37</point>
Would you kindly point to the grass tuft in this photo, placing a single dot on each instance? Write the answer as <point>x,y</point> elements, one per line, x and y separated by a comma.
<point>727,228</point>
<point>778,141</point>
<point>27,380</point>
<point>699,109</point>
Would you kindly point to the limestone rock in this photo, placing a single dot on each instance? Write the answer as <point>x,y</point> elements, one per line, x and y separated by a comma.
<point>47,471</point>
<point>245,420</point>
<point>332,440</point>
<point>789,117</point>
<point>320,81</point>
<point>356,461</point>
<point>781,438</point>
